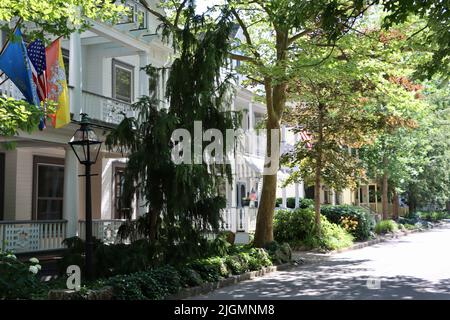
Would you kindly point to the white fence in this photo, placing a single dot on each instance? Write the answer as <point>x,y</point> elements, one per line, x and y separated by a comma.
<point>104,230</point>
<point>239,219</point>
<point>34,235</point>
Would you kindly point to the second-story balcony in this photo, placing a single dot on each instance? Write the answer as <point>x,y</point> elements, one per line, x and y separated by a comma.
<point>101,108</point>
<point>105,109</point>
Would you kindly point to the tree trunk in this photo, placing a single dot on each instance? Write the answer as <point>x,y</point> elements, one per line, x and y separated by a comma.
<point>412,201</point>
<point>318,169</point>
<point>317,197</point>
<point>448,206</point>
<point>275,103</point>
<point>264,219</point>
<point>384,197</point>
<point>395,205</point>
<point>153,220</point>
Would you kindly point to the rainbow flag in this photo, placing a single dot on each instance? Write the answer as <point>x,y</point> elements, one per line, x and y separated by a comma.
<point>57,84</point>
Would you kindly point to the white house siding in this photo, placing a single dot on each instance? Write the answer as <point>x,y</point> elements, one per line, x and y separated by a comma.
<point>10,185</point>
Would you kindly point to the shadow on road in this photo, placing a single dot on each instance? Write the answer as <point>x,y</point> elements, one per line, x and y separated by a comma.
<point>333,279</point>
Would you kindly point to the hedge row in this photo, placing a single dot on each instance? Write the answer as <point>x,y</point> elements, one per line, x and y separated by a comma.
<point>160,282</point>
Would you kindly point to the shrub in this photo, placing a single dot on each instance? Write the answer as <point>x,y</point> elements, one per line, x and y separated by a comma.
<point>109,259</point>
<point>151,284</point>
<point>234,264</point>
<point>279,253</point>
<point>18,280</point>
<point>167,277</point>
<point>432,216</point>
<point>355,220</point>
<point>293,226</point>
<point>210,269</point>
<point>334,236</point>
<point>190,277</point>
<point>220,245</point>
<point>290,203</point>
<point>126,287</point>
<point>306,203</point>
<point>386,226</point>
<point>298,228</point>
<point>261,255</point>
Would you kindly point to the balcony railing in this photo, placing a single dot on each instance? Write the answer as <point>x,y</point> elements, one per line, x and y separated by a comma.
<point>32,235</point>
<point>252,143</point>
<point>105,109</point>
<point>98,107</point>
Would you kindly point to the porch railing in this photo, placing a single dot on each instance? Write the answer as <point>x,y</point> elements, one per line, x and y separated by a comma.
<point>8,89</point>
<point>104,230</point>
<point>239,219</point>
<point>104,108</point>
<point>32,235</point>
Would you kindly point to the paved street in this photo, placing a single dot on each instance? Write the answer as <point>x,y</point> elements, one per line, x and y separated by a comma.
<point>416,266</point>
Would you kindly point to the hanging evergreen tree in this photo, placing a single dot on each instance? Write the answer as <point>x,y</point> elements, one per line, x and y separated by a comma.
<point>183,200</point>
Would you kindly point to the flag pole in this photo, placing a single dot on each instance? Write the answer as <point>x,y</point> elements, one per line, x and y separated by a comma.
<point>7,41</point>
<point>6,44</point>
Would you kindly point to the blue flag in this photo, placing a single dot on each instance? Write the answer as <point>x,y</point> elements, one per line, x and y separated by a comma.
<point>14,62</point>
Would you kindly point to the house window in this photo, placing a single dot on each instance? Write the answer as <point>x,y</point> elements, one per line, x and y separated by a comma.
<point>140,18</point>
<point>48,193</point>
<point>122,81</point>
<point>2,184</point>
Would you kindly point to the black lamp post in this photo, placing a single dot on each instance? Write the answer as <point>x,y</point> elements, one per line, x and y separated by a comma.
<point>86,146</point>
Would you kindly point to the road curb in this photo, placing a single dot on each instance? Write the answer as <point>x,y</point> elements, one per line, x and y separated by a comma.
<point>211,286</point>
<point>385,238</point>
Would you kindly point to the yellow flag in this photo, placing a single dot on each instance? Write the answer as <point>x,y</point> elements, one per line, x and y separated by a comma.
<point>57,84</point>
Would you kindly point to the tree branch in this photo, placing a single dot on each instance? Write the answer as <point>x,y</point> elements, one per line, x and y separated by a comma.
<point>246,33</point>
<point>298,35</point>
<point>241,57</point>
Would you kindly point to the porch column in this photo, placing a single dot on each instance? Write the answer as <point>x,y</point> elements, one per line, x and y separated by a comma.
<point>143,77</point>
<point>283,198</point>
<point>71,196</point>
<point>297,196</point>
<point>250,129</point>
<point>233,211</point>
<point>75,75</point>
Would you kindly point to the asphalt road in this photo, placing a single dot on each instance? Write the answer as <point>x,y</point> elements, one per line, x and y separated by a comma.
<point>416,266</point>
